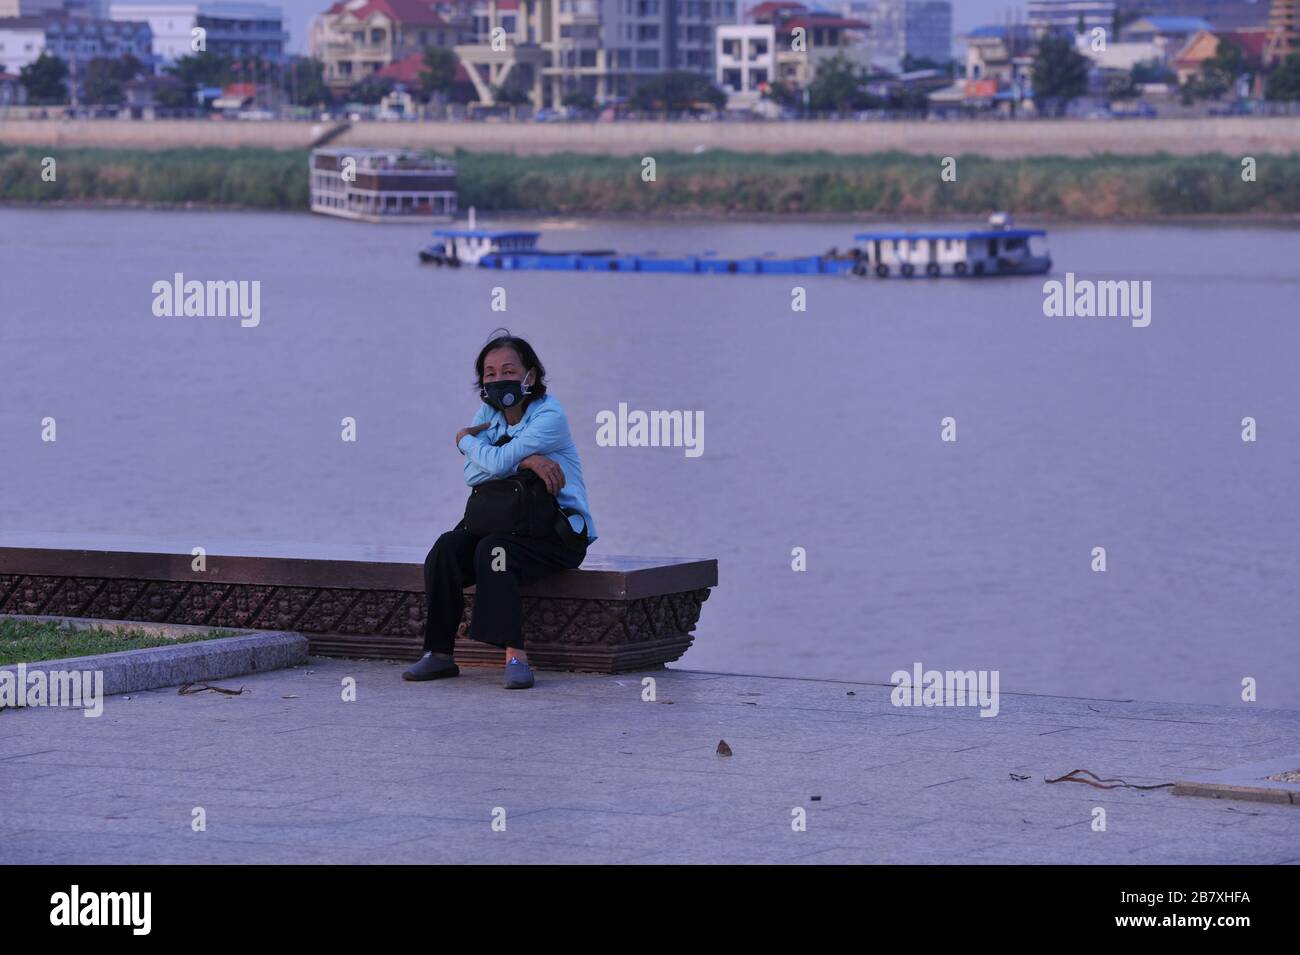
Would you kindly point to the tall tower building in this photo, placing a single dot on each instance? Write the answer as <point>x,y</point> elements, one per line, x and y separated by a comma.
<point>1284,25</point>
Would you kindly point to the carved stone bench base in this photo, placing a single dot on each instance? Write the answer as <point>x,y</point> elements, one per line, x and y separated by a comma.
<point>614,616</point>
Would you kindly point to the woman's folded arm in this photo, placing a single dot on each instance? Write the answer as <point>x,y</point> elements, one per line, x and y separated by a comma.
<point>475,474</point>
<point>545,432</point>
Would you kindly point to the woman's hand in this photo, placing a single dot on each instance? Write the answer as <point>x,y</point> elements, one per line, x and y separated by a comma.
<point>474,430</point>
<point>550,472</point>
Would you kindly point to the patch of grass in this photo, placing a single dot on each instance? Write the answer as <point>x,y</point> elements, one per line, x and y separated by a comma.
<point>261,178</point>
<point>1101,187</point>
<point>30,641</point>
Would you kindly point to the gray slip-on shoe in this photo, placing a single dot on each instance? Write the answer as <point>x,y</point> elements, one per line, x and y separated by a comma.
<point>519,675</point>
<point>432,666</point>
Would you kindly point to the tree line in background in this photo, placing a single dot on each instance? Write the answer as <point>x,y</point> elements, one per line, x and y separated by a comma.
<point>105,80</point>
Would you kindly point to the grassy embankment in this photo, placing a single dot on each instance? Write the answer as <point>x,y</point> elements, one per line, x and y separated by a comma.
<point>29,641</point>
<point>1105,187</point>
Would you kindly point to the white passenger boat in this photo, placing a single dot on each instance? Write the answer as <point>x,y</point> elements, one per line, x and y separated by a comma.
<point>382,185</point>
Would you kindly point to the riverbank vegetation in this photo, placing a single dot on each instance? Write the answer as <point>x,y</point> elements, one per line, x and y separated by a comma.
<point>1103,187</point>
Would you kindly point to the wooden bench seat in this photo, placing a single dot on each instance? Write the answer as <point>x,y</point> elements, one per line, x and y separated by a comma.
<point>612,615</point>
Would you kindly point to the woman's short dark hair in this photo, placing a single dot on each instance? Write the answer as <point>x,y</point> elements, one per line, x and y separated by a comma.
<point>501,338</point>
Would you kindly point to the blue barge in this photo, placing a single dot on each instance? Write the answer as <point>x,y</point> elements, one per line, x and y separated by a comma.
<point>998,250</point>
<point>613,262</point>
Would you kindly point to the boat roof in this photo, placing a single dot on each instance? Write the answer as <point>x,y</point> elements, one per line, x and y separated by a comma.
<point>484,234</point>
<point>959,234</point>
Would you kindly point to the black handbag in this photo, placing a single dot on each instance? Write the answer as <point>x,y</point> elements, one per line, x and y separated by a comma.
<point>518,505</point>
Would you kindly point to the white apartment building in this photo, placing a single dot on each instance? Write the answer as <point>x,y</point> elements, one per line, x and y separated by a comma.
<point>745,59</point>
<point>22,40</point>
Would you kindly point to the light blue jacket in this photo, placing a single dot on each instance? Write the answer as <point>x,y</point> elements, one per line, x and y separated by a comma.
<point>544,429</point>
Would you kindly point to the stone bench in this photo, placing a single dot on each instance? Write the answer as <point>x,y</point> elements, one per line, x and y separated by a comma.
<point>612,615</point>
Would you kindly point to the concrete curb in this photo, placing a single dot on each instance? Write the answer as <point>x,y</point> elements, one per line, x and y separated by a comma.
<point>1250,781</point>
<point>130,671</point>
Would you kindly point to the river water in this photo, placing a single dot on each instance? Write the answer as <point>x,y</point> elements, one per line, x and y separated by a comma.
<point>821,431</point>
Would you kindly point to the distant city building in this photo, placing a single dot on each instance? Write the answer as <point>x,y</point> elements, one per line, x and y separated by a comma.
<point>999,69</point>
<point>481,17</point>
<point>750,56</point>
<point>1253,43</point>
<point>78,40</point>
<point>1066,16</point>
<point>825,35</point>
<point>927,30</point>
<point>355,39</point>
<point>232,29</point>
<point>1284,27</point>
<point>244,30</point>
<point>28,8</point>
<point>645,37</point>
<point>93,9</point>
<point>921,29</point>
<point>746,62</point>
<point>22,41</point>
<point>992,52</point>
<point>858,9</point>
<point>1116,55</point>
<point>1204,46</point>
<point>406,72</point>
<point>1200,48</point>
<point>171,24</point>
<point>73,39</point>
<point>602,48</point>
<point>1222,14</point>
<point>1169,34</point>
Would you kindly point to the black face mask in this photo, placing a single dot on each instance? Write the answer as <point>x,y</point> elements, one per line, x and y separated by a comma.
<point>504,395</point>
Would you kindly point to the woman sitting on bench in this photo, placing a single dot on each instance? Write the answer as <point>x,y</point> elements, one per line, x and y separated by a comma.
<point>518,428</point>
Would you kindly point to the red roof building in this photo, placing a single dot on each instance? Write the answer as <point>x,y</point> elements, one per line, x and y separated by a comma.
<point>1253,42</point>
<point>408,69</point>
<point>822,23</point>
<point>766,12</point>
<point>399,11</point>
<point>356,39</point>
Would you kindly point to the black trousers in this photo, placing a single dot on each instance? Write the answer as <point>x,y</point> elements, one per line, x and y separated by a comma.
<point>460,558</point>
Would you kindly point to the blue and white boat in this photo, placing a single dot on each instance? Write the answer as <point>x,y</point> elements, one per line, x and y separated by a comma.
<point>998,250</point>
<point>456,247</point>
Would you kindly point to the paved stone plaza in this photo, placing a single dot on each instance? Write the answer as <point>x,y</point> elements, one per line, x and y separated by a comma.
<point>587,772</point>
